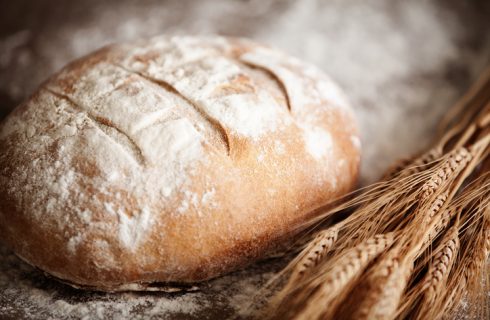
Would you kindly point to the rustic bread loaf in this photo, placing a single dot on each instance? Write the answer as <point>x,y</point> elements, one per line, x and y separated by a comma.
<point>175,159</point>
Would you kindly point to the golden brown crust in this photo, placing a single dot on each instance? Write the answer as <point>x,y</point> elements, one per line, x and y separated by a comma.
<point>170,160</point>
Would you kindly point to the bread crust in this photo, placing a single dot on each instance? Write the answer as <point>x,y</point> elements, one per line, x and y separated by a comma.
<point>175,159</point>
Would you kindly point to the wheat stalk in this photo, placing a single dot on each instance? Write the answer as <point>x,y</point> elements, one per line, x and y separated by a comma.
<point>378,294</point>
<point>456,163</point>
<point>409,167</point>
<point>441,266</point>
<point>437,200</point>
<point>346,270</point>
<point>465,207</point>
<point>315,251</point>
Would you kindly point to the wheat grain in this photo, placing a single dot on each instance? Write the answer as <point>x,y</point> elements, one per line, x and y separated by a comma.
<point>378,295</point>
<point>417,202</point>
<point>304,264</point>
<point>357,258</point>
<point>438,221</point>
<point>453,165</point>
<point>416,299</point>
<point>432,287</point>
<point>433,219</point>
<point>473,191</point>
<point>316,251</point>
<point>346,269</point>
<point>442,263</point>
<point>437,205</point>
<point>443,222</point>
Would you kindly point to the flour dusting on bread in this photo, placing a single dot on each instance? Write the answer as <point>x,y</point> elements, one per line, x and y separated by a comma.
<point>318,142</point>
<point>172,159</point>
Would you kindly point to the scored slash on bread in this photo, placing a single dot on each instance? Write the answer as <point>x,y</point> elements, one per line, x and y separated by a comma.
<point>175,159</point>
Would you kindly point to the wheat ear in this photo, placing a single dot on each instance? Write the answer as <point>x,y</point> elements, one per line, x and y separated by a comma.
<point>470,267</point>
<point>315,252</point>
<point>455,164</point>
<point>378,293</point>
<point>434,283</point>
<point>422,202</point>
<point>347,268</point>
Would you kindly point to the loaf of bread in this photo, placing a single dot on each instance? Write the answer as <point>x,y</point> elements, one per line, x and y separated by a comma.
<point>170,160</point>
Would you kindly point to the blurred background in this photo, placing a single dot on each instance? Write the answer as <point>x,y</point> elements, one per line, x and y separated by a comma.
<point>402,63</point>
